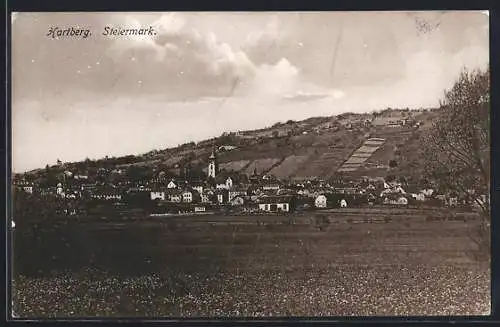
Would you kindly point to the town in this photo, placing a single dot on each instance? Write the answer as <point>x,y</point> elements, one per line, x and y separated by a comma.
<point>234,193</point>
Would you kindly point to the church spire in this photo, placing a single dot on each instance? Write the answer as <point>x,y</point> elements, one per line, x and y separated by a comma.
<point>212,163</point>
<point>212,156</point>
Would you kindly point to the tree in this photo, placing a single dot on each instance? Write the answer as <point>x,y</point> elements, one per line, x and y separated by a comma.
<point>457,148</point>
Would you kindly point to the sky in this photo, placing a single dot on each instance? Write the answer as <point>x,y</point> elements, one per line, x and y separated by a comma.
<point>205,73</point>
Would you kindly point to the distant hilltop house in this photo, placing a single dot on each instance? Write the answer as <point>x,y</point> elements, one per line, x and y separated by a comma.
<point>226,147</point>
<point>26,186</point>
<point>396,120</point>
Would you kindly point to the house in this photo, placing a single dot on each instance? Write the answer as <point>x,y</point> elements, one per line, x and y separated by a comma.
<point>343,203</point>
<point>173,195</point>
<point>205,198</point>
<point>237,201</point>
<point>157,195</point>
<point>171,184</point>
<point>234,193</point>
<point>346,190</point>
<point>418,196</point>
<point>73,194</point>
<point>222,196</point>
<point>453,201</point>
<point>107,194</point>
<point>402,201</point>
<point>371,198</point>
<point>226,147</point>
<point>396,189</point>
<point>187,196</point>
<point>60,190</point>
<point>225,184</point>
<point>27,189</point>
<point>395,199</point>
<point>270,187</point>
<point>199,209</point>
<point>320,201</point>
<point>276,203</point>
<point>208,196</point>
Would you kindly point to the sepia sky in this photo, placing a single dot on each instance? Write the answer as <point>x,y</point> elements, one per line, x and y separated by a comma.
<point>206,73</point>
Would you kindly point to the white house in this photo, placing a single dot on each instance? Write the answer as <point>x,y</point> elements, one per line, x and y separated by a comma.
<point>275,204</point>
<point>171,184</point>
<point>199,209</point>
<point>157,195</point>
<point>187,196</point>
<point>343,203</point>
<point>418,196</point>
<point>60,190</point>
<point>226,185</point>
<point>28,189</point>
<point>274,207</point>
<point>220,198</point>
<point>397,201</point>
<point>320,201</point>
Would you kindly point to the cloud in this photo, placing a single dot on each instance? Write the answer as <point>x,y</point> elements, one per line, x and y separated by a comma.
<point>184,53</point>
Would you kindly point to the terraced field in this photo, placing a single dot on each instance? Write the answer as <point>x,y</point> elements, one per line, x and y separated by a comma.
<point>361,155</point>
<point>342,262</point>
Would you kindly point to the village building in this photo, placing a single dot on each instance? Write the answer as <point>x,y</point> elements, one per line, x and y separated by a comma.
<point>222,196</point>
<point>395,199</point>
<point>276,203</point>
<point>157,195</point>
<point>199,208</point>
<point>237,201</point>
<point>189,195</point>
<point>107,194</point>
<point>320,201</point>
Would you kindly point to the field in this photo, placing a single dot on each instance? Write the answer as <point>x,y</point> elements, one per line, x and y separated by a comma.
<point>377,261</point>
<point>288,166</point>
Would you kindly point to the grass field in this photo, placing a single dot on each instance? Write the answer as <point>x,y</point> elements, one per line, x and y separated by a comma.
<point>333,263</point>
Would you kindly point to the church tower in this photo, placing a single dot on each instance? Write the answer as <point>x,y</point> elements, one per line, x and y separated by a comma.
<point>212,164</point>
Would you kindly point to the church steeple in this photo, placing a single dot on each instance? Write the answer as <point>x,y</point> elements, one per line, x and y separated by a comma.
<point>212,163</point>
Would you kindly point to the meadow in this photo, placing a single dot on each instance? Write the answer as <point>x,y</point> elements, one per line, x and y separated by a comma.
<point>343,262</point>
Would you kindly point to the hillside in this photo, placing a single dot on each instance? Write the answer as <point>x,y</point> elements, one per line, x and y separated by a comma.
<point>352,145</point>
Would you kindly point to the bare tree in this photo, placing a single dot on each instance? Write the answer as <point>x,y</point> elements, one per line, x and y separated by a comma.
<point>457,148</point>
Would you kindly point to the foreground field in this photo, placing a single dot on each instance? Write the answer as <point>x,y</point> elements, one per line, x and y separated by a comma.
<point>340,263</point>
